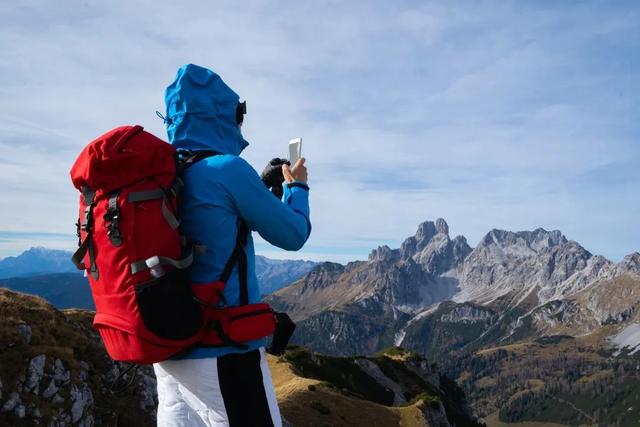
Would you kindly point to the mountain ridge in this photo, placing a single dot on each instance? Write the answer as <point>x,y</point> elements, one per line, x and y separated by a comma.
<point>533,289</point>
<point>36,260</point>
<point>507,271</point>
<point>49,273</point>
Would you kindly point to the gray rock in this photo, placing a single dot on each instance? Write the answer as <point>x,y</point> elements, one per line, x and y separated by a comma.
<point>384,253</point>
<point>0,389</point>
<point>60,374</point>
<point>25,331</point>
<point>630,264</point>
<point>87,421</point>
<point>9,405</point>
<point>57,399</point>
<point>425,232</point>
<point>442,226</point>
<point>81,398</point>
<point>51,390</point>
<point>432,248</point>
<point>36,371</point>
<point>20,411</point>
<point>517,263</point>
<point>147,391</point>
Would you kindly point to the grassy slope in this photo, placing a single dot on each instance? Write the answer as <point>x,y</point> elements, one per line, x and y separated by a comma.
<point>338,399</point>
<point>311,402</point>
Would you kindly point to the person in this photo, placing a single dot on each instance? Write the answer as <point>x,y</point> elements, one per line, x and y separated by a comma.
<point>224,386</point>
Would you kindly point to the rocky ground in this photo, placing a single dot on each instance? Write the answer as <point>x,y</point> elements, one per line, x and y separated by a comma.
<point>54,372</point>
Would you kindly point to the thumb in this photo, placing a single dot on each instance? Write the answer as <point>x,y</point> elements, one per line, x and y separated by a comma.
<point>287,173</point>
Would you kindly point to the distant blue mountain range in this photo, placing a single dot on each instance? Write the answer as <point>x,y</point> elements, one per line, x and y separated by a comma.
<point>63,290</point>
<point>37,261</point>
<point>50,274</point>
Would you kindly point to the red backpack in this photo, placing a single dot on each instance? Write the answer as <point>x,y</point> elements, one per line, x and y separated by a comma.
<point>137,262</point>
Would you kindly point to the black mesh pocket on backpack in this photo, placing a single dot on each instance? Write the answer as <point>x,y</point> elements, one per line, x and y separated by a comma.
<point>167,306</point>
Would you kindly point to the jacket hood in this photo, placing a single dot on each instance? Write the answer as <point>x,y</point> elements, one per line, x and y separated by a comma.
<point>201,112</point>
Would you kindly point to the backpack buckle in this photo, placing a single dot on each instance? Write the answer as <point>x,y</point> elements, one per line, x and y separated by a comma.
<point>112,220</point>
<point>86,219</point>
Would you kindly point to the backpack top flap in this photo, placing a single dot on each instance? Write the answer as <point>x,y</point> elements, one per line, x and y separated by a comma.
<point>121,157</point>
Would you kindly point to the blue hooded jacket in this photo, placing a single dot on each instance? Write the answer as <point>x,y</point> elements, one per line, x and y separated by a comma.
<point>201,115</point>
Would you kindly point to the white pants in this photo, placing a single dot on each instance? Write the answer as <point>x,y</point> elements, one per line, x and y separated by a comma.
<point>233,390</point>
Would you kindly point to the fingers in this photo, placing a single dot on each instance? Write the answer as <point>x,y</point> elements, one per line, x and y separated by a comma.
<point>296,173</point>
<point>288,176</point>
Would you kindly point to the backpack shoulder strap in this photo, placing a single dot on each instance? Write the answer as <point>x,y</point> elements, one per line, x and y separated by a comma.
<point>239,257</point>
<point>187,158</point>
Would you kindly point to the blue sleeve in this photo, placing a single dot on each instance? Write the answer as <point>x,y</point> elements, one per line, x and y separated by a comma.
<point>284,223</point>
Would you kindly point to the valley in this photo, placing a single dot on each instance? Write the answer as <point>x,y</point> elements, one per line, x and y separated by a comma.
<point>532,325</point>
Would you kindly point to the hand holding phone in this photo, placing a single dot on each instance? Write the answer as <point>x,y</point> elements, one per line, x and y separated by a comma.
<point>296,173</point>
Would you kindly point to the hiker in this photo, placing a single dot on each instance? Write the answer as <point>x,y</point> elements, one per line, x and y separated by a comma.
<point>223,200</point>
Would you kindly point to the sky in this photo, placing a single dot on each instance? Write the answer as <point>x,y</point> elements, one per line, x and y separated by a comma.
<point>490,114</point>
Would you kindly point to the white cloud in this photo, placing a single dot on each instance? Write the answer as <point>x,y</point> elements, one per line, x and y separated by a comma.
<point>482,115</point>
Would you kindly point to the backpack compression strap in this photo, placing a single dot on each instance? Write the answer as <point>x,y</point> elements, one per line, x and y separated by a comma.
<point>87,244</point>
<point>187,158</point>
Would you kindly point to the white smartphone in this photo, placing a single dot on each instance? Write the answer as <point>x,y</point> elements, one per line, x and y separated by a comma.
<point>295,150</point>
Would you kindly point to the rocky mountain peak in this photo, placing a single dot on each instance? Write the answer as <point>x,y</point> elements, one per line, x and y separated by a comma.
<point>461,248</point>
<point>428,229</point>
<point>442,226</point>
<point>432,248</point>
<point>629,264</point>
<point>535,240</point>
<point>383,253</point>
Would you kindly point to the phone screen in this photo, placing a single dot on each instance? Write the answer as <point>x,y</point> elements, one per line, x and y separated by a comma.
<point>295,150</point>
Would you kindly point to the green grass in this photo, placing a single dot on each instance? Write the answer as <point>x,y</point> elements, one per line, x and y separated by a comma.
<point>430,400</point>
<point>341,372</point>
<point>399,352</point>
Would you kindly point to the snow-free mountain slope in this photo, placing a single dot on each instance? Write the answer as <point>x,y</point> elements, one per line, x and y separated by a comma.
<point>51,274</point>
<point>37,260</point>
<point>534,326</point>
<point>524,280</point>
